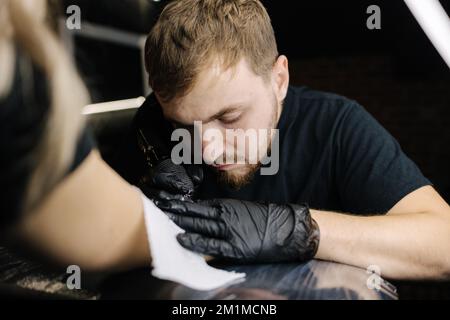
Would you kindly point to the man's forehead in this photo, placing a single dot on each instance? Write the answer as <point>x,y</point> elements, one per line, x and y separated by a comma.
<point>214,93</point>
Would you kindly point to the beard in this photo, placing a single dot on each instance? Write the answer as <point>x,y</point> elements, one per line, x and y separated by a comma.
<point>243,175</point>
<point>239,179</point>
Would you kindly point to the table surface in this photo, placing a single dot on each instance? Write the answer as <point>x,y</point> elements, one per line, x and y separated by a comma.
<point>312,280</point>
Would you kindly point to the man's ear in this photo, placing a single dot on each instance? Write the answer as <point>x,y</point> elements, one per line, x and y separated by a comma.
<point>280,77</point>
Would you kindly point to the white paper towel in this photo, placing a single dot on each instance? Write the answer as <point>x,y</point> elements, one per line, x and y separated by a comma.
<point>173,262</point>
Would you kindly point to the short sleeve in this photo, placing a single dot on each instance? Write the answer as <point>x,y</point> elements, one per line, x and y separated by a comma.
<point>373,173</point>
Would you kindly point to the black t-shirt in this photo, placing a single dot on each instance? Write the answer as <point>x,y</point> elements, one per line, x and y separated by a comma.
<point>333,156</point>
<point>23,115</point>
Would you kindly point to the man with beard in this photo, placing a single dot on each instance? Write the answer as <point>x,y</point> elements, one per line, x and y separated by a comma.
<point>216,63</point>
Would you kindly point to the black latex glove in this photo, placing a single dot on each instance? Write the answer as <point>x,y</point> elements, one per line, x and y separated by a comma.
<point>162,178</point>
<point>245,231</point>
<point>173,182</point>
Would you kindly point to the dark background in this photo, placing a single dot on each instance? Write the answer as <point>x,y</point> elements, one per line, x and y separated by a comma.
<point>395,72</point>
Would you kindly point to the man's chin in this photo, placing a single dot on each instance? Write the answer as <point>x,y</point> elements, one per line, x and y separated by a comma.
<point>237,176</point>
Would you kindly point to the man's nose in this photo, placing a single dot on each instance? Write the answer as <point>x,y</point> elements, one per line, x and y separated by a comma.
<point>212,144</point>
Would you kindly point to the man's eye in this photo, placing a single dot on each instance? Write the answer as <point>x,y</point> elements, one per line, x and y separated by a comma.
<point>230,120</point>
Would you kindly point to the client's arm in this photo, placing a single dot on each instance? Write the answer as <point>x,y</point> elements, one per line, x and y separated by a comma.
<point>93,219</point>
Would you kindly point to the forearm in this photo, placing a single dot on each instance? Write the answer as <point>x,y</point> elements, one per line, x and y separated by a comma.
<point>404,246</point>
<point>94,219</point>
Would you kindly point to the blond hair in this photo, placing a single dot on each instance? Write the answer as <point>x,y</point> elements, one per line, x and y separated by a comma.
<point>55,150</point>
<point>191,34</point>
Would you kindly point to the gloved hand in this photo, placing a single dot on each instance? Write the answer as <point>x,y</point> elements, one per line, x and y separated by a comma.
<point>162,178</point>
<point>245,231</point>
<point>173,182</point>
